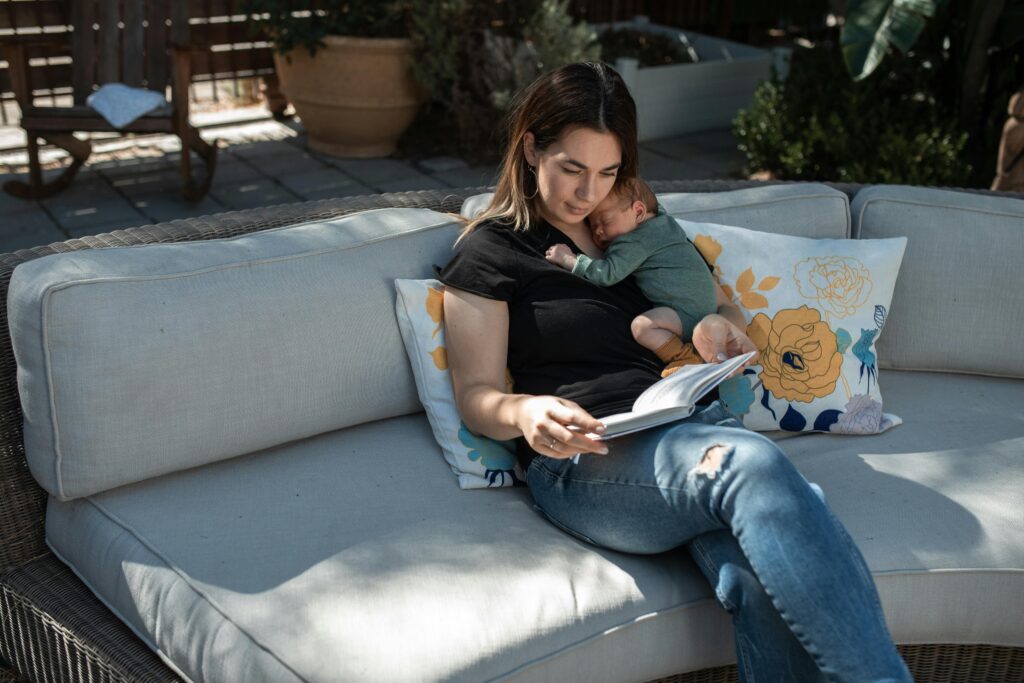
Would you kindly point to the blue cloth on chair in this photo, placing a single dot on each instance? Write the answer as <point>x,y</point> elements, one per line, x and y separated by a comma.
<point>121,104</point>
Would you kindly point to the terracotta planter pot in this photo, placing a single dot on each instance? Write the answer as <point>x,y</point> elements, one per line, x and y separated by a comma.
<point>355,97</point>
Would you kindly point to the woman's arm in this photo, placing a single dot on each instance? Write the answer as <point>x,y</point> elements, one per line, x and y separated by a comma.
<point>476,331</point>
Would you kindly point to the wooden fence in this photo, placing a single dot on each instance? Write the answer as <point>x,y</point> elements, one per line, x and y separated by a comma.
<point>222,48</point>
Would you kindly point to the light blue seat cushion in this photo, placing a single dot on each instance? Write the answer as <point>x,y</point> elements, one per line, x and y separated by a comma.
<point>135,362</point>
<point>354,556</point>
<point>958,305</point>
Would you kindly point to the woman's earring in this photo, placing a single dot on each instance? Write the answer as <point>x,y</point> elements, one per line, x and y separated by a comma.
<point>536,183</point>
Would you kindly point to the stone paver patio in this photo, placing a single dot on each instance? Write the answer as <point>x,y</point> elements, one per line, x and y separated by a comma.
<point>263,162</point>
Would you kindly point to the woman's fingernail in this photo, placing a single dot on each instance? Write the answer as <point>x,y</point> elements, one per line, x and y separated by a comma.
<point>599,429</point>
<point>721,357</point>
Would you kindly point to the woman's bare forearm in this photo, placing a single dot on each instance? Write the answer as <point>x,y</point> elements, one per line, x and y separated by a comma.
<point>491,412</point>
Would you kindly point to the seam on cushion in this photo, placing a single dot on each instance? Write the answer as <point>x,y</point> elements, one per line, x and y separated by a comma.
<point>620,626</point>
<point>698,603</point>
<point>144,637</point>
<point>844,199</point>
<point>947,371</point>
<point>230,266</point>
<point>185,579</point>
<point>58,456</point>
<point>50,289</point>
<point>872,200</point>
<point>945,570</point>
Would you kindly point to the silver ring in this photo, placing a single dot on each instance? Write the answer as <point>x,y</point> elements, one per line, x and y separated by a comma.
<point>552,444</point>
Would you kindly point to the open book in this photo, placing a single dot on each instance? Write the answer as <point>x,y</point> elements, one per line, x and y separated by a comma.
<point>672,398</point>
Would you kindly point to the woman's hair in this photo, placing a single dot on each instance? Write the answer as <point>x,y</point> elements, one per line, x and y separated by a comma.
<point>582,95</point>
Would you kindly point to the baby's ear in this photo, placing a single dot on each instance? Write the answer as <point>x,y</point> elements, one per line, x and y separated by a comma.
<point>639,210</point>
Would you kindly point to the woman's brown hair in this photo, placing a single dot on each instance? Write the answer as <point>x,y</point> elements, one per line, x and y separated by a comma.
<point>586,94</point>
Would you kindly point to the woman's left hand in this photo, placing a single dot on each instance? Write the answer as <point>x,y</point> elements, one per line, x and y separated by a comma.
<point>717,339</point>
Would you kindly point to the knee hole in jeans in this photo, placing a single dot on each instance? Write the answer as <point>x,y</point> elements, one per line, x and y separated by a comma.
<point>711,463</point>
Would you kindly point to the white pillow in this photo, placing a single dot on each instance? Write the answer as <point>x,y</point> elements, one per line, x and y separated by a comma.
<point>478,462</point>
<point>474,206</point>
<point>814,308</point>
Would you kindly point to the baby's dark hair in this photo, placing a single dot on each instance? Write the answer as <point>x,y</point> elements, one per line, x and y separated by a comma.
<point>633,189</point>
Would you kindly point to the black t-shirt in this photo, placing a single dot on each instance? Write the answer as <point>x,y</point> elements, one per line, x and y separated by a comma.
<point>567,337</point>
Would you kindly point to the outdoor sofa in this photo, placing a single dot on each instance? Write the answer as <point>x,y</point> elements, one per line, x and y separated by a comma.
<point>240,533</point>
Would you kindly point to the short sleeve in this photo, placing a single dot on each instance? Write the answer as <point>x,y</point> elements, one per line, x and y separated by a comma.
<point>486,264</point>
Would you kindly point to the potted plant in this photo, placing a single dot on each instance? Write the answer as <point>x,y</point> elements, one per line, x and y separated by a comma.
<point>346,67</point>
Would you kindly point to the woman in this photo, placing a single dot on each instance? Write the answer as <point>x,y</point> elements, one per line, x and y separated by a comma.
<point>803,602</point>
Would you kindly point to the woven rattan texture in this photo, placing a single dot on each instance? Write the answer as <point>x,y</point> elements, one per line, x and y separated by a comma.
<point>54,629</point>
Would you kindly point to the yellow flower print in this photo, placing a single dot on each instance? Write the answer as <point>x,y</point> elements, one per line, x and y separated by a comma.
<point>435,307</point>
<point>839,284</point>
<point>709,249</point>
<point>799,356</point>
<point>750,299</point>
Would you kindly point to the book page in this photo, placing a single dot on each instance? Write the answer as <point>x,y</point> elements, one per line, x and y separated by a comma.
<point>685,386</point>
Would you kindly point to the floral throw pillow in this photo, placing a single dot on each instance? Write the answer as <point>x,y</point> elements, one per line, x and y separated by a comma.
<point>477,461</point>
<point>814,309</point>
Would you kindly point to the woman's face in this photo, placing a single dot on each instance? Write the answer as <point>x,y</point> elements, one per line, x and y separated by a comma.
<point>574,174</point>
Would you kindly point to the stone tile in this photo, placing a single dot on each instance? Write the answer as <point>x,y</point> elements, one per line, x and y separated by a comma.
<point>352,190</point>
<point>469,177</point>
<point>421,182</point>
<point>656,167</point>
<point>231,170</point>
<point>693,145</point>
<point>28,228</point>
<point>252,193</point>
<point>171,206</point>
<point>96,216</point>
<point>147,183</point>
<point>436,165</point>
<point>35,238</point>
<point>10,203</point>
<point>288,163</point>
<point>120,168</point>
<point>314,184</point>
<point>263,148</point>
<point>373,172</point>
<point>83,191</point>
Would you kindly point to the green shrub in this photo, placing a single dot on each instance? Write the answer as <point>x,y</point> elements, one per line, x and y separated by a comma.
<point>818,124</point>
<point>474,55</point>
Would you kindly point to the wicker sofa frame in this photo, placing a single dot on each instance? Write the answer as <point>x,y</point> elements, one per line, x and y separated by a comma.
<point>52,628</point>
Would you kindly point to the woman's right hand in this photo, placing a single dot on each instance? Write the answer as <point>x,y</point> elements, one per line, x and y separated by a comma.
<point>557,428</point>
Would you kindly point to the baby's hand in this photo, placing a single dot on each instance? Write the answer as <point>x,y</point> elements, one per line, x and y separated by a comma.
<point>561,255</point>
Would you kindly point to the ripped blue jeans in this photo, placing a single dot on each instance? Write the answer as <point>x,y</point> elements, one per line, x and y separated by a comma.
<point>803,603</point>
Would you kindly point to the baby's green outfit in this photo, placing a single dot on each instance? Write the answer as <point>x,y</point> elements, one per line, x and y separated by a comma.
<point>668,268</point>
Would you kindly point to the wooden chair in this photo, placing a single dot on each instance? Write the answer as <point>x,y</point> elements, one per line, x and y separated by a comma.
<point>141,43</point>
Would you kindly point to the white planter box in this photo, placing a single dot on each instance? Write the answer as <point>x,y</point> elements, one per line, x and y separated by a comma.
<point>682,98</point>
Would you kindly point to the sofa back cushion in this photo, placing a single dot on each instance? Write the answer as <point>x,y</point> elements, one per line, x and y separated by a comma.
<point>135,362</point>
<point>954,308</point>
<point>799,209</point>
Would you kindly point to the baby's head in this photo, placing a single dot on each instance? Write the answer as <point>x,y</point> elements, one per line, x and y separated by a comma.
<point>629,204</point>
